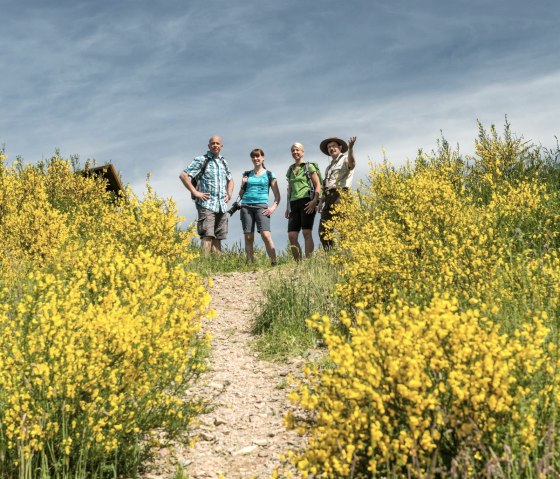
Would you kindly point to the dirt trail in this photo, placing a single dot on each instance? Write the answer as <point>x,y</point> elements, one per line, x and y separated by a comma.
<point>243,433</point>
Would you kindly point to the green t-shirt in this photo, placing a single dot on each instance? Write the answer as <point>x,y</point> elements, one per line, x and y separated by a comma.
<point>299,183</point>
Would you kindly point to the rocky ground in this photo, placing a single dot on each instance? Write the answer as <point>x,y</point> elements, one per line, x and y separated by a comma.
<point>243,433</point>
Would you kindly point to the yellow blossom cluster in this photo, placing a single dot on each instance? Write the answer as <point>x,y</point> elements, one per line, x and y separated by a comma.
<point>99,323</point>
<point>446,359</point>
<point>421,231</point>
<point>408,386</point>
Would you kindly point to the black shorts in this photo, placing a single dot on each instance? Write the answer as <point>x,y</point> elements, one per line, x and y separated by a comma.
<point>299,219</point>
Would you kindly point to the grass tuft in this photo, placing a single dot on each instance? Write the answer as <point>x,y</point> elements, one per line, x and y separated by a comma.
<point>233,259</point>
<point>291,296</point>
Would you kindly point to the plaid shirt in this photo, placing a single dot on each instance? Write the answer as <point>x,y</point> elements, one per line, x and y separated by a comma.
<point>213,181</point>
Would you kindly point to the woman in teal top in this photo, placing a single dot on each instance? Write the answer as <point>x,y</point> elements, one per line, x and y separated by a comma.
<point>304,190</point>
<point>254,205</point>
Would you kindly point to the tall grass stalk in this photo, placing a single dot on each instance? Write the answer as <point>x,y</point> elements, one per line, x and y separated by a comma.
<point>290,297</point>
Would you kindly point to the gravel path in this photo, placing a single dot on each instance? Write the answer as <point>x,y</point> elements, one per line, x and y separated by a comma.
<point>243,434</point>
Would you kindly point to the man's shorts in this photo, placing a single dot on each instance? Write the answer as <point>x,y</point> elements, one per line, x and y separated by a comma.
<point>299,219</point>
<point>251,215</point>
<point>212,224</point>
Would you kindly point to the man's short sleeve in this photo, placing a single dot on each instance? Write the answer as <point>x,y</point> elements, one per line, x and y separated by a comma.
<point>194,168</point>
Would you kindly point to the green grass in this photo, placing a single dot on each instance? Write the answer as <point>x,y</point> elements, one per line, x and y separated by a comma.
<point>291,296</point>
<point>233,259</point>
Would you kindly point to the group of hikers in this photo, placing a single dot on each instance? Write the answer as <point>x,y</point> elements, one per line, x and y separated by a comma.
<point>211,185</point>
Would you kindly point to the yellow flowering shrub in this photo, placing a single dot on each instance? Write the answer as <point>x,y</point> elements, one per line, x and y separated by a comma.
<point>408,386</point>
<point>420,232</point>
<point>31,227</point>
<point>445,362</point>
<point>99,324</point>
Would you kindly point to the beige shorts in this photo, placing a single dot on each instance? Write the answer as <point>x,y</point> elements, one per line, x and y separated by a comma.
<point>211,224</point>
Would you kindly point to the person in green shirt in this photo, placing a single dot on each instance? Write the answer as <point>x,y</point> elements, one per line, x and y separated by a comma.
<point>304,190</point>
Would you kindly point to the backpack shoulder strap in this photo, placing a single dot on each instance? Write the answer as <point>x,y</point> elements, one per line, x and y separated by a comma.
<point>290,169</point>
<point>318,170</point>
<point>244,185</point>
<point>309,180</point>
<point>202,168</point>
<point>308,173</point>
<point>224,162</point>
<point>204,165</point>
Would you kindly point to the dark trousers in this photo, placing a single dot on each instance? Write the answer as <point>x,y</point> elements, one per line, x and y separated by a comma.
<point>331,198</point>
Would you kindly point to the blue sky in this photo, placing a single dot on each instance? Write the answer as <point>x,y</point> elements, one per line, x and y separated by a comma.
<point>145,84</point>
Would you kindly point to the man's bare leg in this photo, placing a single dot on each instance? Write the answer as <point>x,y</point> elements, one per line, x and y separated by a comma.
<point>206,245</point>
<point>216,246</point>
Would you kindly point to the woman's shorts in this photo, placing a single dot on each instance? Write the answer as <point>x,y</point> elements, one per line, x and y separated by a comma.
<point>253,214</point>
<point>299,219</point>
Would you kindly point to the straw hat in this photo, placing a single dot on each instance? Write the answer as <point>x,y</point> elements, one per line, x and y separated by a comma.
<point>324,143</point>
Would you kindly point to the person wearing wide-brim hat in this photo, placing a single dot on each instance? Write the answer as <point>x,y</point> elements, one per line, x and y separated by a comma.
<point>338,178</point>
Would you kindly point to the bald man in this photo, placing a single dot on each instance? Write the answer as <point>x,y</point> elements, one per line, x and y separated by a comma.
<point>212,193</point>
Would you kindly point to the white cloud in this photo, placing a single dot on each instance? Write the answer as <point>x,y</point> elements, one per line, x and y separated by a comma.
<point>145,85</point>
